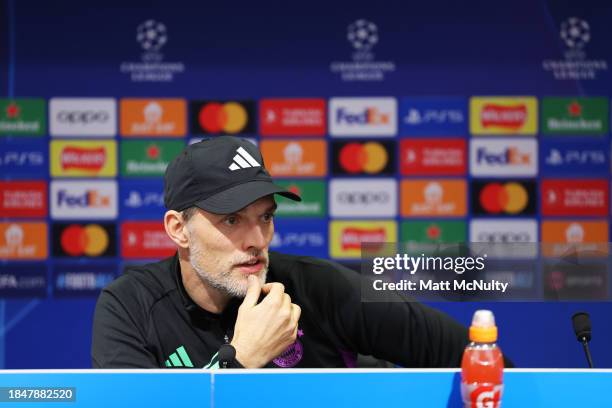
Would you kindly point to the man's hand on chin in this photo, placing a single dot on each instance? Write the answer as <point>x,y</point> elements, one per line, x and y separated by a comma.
<point>263,331</point>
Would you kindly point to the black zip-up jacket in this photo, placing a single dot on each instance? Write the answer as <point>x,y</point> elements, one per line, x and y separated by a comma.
<point>145,318</point>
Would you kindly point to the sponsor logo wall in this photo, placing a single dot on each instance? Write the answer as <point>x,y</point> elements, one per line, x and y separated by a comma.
<point>81,186</point>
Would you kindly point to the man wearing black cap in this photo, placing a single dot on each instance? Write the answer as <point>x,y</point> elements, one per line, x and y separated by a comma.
<point>224,301</point>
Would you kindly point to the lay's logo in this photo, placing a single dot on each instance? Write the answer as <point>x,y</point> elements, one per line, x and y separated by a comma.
<point>353,237</point>
<point>83,158</point>
<point>346,237</point>
<point>512,115</point>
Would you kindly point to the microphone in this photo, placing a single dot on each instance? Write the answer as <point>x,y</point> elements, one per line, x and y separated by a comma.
<point>582,327</point>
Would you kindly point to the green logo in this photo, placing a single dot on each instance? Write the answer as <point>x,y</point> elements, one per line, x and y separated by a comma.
<point>433,231</point>
<point>575,116</point>
<point>313,202</point>
<point>179,359</point>
<point>22,117</point>
<point>148,158</point>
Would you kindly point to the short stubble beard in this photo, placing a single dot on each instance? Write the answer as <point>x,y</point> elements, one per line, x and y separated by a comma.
<point>224,282</point>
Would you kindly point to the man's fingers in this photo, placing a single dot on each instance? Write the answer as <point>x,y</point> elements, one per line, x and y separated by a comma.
<point>253,291</point>
<point>286,301</point>
<point>273,291</point>
<point>296,312</point>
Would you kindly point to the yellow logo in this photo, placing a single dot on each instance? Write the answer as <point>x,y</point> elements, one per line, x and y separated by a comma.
<point>346,236</point>
<point>83,158</point>
<point>503,115</point>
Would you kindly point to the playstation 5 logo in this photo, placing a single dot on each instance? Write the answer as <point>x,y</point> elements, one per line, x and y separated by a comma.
<point>243,160</point>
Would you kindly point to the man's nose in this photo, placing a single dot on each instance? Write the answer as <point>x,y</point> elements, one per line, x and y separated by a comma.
<point>255,237</point>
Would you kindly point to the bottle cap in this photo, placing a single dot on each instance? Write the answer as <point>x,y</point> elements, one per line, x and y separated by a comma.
<point>483,329</point>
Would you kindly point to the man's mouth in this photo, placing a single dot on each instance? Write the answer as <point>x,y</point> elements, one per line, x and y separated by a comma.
<point>254,265</point>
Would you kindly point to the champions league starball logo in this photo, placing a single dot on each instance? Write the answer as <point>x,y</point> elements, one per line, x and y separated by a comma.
<point>363,35</point>
<point>151,35</point>
<point>575,34</point>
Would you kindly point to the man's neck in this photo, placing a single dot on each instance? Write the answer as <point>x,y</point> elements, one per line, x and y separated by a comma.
<point>208,298</point>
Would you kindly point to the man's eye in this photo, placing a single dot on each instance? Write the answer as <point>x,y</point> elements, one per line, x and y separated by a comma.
<point>267,217</point>
<point>231,220</point>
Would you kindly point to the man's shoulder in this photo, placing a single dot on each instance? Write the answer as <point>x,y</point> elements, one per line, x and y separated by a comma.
<point>144,283</point>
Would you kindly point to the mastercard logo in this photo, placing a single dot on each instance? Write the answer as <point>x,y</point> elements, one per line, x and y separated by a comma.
<point>88,240</point>
<point>230,117</point>
<point>370,157</point>
<point>509,198</point>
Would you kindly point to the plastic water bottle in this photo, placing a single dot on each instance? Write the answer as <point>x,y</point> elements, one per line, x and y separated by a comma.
<point>482,367</point>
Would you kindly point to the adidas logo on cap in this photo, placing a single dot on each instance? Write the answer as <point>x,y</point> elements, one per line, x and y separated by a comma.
<point>243,160</point>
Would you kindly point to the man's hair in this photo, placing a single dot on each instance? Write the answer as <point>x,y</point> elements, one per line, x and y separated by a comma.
<point>189,213</point>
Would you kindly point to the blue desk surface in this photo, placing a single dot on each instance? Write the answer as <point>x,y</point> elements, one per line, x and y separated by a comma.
<point>306,388</point>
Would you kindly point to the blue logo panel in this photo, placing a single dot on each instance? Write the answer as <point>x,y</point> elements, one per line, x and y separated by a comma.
<point>142,199</point>
<point>24,158</point>
<point>300,237</point>
<point>433,117</point>
<point>23,280</point>
<point>83,278</point>
<point>575,156</point>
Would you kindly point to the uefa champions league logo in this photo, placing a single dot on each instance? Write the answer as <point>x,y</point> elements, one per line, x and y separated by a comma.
<point>363,35</point>
<point>151,35</point>
<point>575,32</point>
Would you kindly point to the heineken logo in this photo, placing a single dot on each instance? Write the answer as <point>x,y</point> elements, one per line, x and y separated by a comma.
<point>22,117</point>
<point>575,116</point>
<point>142,158</point>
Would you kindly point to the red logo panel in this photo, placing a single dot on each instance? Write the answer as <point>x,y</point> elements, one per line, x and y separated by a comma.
<point>575,197</point>
<point>292,117</point>
<point>145,240</point>
<point>23,199</point>
<point>433,157</point>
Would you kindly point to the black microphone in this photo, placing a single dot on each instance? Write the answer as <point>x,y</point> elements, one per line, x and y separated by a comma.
<point>582,327</point>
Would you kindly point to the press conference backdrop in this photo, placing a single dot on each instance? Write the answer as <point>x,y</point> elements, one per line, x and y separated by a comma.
<point>431,121</point>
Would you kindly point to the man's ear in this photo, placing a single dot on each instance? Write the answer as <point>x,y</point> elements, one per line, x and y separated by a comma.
<point>176,228</point>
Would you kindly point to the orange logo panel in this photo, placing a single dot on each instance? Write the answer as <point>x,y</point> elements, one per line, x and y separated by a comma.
<point>433,197</point>
<point>561,237</point>
<point>23,240</point>
<point>153,117</point>
<point>304,158</point>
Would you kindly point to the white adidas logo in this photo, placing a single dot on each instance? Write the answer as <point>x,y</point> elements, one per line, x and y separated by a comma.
<point>243,160</point>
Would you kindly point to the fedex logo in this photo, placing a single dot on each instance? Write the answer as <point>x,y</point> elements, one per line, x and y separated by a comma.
<point>90,198</point>
<point>501,157</point>
<point>363,117</point>
<point>511,155</point>
<point>368,116</point>
<point>83,199</point>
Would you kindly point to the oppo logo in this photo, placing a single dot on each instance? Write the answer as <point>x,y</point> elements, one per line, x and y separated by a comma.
<point>363,197</point>
<point>504,237</point>
<point>83,117</point>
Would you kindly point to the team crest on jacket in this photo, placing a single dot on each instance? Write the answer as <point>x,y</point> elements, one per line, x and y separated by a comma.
<point>292,355</point>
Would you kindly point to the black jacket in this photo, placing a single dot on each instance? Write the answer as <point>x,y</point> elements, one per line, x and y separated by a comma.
<point>146,319</point>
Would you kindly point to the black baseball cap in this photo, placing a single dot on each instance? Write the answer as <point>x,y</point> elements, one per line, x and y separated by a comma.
<point>220,175</point>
